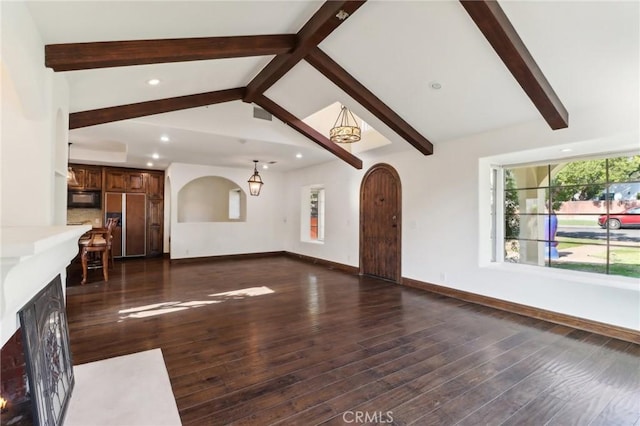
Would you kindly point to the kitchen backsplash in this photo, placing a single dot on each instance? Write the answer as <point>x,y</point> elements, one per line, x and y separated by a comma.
<point>91,217</point>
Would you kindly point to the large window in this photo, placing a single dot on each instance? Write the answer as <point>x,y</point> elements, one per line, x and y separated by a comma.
<point>580,215</point>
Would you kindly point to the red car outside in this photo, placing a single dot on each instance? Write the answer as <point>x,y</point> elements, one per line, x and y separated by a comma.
<point>629,218</point>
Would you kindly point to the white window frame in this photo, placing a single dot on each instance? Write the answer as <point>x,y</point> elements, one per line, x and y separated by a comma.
<point>495,243</point>
<point>305,214</point>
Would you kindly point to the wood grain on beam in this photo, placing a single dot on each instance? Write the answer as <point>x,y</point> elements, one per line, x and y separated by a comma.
<point>341,78</point>
<point>79,56</point>
<point>496,27</point>
<point>142,109</point>
<point>300,126</point>
<point>321,24</point>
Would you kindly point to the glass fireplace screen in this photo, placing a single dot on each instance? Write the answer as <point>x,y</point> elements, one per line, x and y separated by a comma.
<point>45,333</point>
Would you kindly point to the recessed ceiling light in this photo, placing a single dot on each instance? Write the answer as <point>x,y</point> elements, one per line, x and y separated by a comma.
<point>298,155</point>
<point>164,138</point>
<point>566,150</point>
<point>153,82</point>
<point>435,85</point>
<point>149,164</point>
<point>265,166</point>
<point>155,156</point>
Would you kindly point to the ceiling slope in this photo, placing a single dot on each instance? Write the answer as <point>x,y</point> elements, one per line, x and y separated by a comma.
<point>341,78</point>
<point>303,128</point>
<point>321,24</point>
<point>496,27</point>
<point>424,112</point>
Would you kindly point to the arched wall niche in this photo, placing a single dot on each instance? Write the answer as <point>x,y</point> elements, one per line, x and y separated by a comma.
<point>211,199</point>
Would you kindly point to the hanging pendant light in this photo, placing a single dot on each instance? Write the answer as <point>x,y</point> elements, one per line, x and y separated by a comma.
<point>345,129</point>
<point>71,175</point>
<point>255,181</point>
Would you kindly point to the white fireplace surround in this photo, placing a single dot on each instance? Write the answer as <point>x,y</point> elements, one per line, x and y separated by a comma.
<point>30,258</point>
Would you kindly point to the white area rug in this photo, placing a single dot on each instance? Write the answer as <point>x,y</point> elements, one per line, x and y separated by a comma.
<point>129,390</point>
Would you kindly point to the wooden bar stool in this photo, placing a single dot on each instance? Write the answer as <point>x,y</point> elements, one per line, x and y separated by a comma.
<point>99,242</point>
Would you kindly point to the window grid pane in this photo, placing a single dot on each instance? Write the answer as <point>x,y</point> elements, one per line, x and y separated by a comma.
<point>313,221</point>
<point>493,178</point>
<point>316,218</point>
<point>575,215</point>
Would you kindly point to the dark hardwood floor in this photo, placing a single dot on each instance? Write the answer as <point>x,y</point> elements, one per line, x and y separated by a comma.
<point>327,347</point>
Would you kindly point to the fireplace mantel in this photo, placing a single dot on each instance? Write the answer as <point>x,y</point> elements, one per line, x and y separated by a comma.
<point>30,258</point>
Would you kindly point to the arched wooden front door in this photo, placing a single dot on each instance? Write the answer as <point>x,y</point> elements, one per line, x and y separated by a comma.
<point>380,223</point>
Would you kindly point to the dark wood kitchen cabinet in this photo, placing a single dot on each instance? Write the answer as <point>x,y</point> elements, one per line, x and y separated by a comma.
<point>141,217</point>
<point>136,182</point>
<point>150,183</point>
<point>154,226</point>
<point>155,213</point>
<point>155,185</point>
<point>124,180</point>
<point>114,181</point>
<point>89,178</point>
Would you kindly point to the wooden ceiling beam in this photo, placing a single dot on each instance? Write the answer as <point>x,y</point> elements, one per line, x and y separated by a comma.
<point>142,109</point>
<point>352,87</point>
<point>82,56</point>
<point>500,33</point>
<point>300,126</point>
<point>326,19</point>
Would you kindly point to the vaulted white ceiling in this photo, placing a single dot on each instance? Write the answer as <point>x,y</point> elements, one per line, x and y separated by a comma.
<point>587,50</point>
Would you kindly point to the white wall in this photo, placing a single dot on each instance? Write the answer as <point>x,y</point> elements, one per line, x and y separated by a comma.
<point>447,243</point>
<point>33,161</point>
<point>342,193</point>
<point>206,199</point>
<point>261,232</point>
<point>32,97</point>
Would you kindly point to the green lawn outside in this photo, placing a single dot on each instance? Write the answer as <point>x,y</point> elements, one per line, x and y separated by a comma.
<point>623,261</point>
<point>622,255</point>
<point>622,269</point>
<point>566,242</point>
<point>577,222</point>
